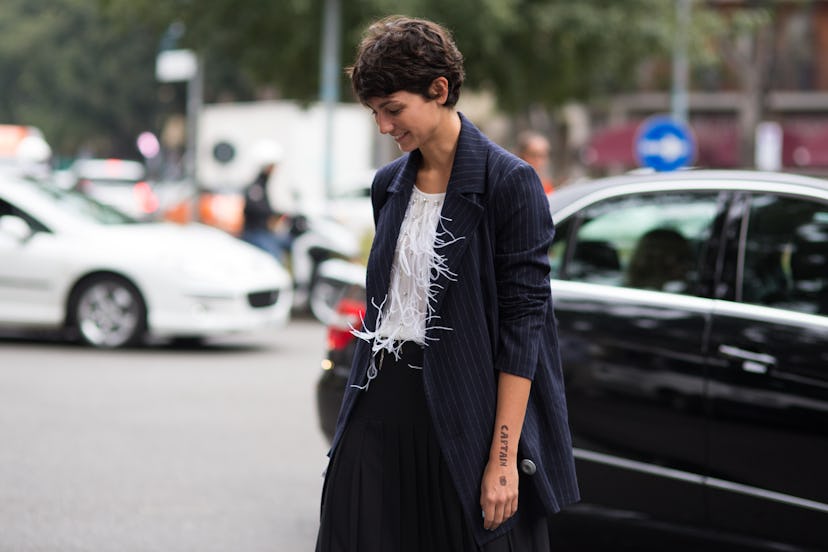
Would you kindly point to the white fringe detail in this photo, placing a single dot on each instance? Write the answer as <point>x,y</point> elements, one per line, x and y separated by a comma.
<point>407,312</point>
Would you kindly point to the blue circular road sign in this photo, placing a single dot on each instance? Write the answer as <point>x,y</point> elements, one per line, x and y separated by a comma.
<point>664,144</point>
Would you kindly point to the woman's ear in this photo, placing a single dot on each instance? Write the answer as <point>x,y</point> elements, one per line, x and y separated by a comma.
<point>439,90</point>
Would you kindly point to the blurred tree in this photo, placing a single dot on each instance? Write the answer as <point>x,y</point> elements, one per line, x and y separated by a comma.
<point>84,71</point>
<point>67,69</point>
<point>524,51</point>
<point>745,38</point>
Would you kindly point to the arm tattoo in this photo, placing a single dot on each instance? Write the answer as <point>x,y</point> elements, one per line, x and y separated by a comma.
<point>504,445</point>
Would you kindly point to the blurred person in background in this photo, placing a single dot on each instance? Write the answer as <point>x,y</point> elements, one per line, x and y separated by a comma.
<point>534,148</point>
<point>458,346</point>
<point>261,226</point>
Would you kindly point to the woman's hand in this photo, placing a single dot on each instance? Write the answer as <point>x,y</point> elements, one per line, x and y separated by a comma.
<point>499,492</point>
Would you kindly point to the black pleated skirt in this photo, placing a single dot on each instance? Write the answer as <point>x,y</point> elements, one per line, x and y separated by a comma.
<point>388,489</point>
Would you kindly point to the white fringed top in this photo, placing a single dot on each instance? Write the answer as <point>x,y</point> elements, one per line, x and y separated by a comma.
<point>406,311</point>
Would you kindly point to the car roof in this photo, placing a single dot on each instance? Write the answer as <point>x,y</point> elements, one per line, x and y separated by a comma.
<point>564,198</point>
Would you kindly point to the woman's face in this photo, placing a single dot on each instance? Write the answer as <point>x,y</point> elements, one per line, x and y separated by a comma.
<point>410,119</point>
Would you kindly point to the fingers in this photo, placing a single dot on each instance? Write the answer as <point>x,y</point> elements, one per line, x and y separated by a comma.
<point>498,494</point>
<point>492,517</point>
<point>497,511</point>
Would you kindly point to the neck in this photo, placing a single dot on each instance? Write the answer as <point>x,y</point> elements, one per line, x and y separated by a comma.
<point>438,153</point>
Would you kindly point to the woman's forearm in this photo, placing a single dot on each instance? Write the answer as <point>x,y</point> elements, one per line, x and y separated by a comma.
<point>512,397</point>
<point>500,486</point>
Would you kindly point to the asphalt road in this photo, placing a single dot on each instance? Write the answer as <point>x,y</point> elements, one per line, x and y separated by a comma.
<point>165,449</point>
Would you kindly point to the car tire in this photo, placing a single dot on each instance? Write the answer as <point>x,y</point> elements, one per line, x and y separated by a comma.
<point>188,342</point>
<point>108,312</point>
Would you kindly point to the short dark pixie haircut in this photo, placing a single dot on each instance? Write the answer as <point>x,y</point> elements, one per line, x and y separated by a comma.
<point>403,53</point>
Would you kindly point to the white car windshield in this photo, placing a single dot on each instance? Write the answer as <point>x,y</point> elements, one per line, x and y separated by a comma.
<point>80,205</point>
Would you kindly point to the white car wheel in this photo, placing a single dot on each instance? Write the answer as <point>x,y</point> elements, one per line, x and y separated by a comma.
<point>109,312</point>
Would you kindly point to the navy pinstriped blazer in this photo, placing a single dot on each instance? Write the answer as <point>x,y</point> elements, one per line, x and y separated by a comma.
<point>499,310</point>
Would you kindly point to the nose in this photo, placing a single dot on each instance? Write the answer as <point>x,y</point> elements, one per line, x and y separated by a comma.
<point>384,123</point>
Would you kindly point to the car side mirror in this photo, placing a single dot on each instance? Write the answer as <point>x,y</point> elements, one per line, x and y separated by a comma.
<point>15,227</point>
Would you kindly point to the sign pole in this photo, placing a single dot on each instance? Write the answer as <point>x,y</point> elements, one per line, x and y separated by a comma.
<point>680,65</point>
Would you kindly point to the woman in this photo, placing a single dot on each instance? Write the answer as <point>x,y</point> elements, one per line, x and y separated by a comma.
<point>453,432</point>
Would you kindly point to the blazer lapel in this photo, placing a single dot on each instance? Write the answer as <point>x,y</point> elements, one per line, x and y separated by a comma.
<point>388,230</point>
<point>463,206</point>
<point>461,213</point>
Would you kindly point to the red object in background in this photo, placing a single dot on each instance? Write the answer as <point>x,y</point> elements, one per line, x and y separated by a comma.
<point>804,144</point>
<point>10,138</point>
<point>223,211</point>
<point>146,197</point>
<point>612,146</point>
<point>349,314</point>
<point>717,145</point>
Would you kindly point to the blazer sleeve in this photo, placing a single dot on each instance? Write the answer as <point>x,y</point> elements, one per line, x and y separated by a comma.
<point>378,192</point>
<point>523,235</point>
<point>379,187</point>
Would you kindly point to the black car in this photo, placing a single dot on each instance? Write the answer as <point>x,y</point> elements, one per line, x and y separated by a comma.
<point>693,318</point>
<point>336,366</point>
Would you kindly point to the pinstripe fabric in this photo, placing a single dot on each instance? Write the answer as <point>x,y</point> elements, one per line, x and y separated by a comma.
<point>499,311</point>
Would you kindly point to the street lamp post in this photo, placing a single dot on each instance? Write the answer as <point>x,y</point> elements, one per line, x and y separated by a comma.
<point>329,83</point>
<point>184,66</point>
<point>195,86</point>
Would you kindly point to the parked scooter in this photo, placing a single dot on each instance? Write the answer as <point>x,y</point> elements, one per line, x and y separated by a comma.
<point>321,251</point>
<point>333,278</point>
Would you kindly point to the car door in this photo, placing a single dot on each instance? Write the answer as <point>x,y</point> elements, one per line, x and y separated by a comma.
<point>29,273</point>
<point>631,285</point>
<point>768,392</point>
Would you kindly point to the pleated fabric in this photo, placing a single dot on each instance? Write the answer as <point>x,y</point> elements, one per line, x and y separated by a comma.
<point>388,489</point>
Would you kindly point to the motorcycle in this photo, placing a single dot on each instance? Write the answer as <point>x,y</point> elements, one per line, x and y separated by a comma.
<point>321,253</point>
<point>334,278</point>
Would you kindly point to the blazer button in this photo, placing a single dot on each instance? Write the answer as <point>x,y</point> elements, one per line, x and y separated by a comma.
<point>528,467</point>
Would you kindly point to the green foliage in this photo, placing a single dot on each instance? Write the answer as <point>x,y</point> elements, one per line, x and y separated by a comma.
<point>525,51</point>
<point>559,51</point>
<point>83,70</point>
<point>66,68</point>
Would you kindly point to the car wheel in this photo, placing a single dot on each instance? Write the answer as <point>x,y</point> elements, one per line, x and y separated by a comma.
<point>323,298</point>
<point>108,312</point>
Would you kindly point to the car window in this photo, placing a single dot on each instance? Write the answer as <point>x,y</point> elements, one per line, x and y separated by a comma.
<point>786,254</point>
<point>7,208</point>
<point>80,205</point>
<point>558,250</point>
<point>644,241</point>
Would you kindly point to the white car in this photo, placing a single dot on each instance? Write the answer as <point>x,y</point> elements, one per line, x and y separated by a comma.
<point>68,262</point>
<point>120,183</point>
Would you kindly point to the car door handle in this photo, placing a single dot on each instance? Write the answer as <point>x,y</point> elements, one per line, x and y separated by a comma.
<point>756,363</point>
